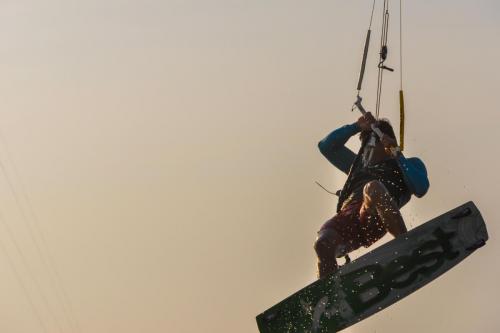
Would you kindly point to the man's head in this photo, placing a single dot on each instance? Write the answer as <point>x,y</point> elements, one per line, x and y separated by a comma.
<point>384,126</point>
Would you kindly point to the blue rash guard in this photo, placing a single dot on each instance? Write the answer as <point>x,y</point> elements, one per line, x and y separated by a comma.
<point>333,148</point>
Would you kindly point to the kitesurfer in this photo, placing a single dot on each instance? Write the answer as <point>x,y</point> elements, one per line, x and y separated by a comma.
<point>380,182</point>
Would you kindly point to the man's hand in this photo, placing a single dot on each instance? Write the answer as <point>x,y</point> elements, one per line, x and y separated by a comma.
<point>365,121</point>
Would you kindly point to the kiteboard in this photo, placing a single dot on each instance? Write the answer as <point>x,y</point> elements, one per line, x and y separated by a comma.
<point>380,278</point>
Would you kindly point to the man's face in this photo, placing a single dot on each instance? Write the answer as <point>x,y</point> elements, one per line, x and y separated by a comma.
<point>379,151</point>
<point>379,148</point>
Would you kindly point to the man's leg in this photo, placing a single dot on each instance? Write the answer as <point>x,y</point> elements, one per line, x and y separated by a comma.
<point>328,247</point>
<point>376,198</point>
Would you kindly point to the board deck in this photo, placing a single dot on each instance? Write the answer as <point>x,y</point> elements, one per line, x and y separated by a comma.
<point>381,277</point>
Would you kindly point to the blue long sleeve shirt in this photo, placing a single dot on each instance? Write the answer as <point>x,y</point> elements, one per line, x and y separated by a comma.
<point>334,149</point>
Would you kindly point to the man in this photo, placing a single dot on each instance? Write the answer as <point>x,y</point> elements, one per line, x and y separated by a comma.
<point>380,181</point>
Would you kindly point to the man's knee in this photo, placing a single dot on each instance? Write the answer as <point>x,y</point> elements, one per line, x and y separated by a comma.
<point>375,190</point>
<point>323,246</point>
<point>328,245</point>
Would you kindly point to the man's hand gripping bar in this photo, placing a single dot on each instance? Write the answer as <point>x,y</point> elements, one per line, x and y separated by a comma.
<point>375,129</point>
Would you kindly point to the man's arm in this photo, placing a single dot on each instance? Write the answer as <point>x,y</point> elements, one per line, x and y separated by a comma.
<point>334,149</point>
<point>415,175</point>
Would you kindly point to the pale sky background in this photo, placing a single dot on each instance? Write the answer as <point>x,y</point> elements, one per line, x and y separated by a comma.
<point>168,149</point>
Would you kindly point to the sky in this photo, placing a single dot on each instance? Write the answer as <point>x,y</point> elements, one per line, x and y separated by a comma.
<point>159,158</point>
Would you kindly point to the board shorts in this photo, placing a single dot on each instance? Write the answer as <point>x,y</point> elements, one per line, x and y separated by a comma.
<point>356,226</point>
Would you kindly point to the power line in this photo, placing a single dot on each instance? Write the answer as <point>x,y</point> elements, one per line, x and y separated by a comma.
<point>30,272</point>
<point>44,254</point>
<point>22,284</point>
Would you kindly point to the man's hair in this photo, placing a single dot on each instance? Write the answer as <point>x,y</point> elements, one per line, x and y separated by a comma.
<point>383,125</point>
